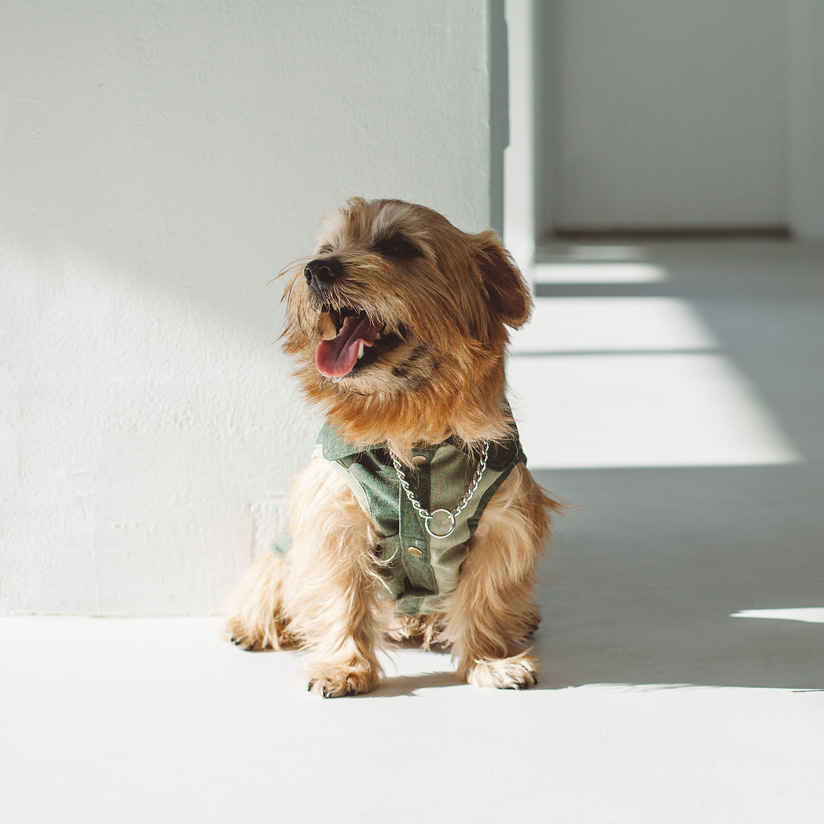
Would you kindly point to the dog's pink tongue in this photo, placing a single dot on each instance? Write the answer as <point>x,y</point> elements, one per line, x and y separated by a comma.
<point>337,357</point>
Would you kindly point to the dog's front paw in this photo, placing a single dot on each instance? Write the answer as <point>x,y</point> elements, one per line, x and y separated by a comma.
<point>516,673</point>
<point>337,680</point>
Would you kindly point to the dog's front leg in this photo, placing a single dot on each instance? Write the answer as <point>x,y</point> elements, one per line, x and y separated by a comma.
<point>332,593</point>
<point>493,611</point>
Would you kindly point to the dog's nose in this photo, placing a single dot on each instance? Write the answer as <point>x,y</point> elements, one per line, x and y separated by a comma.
<point>322,272</point>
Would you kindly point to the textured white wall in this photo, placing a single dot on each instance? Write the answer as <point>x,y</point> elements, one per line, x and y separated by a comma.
<point>159,162</point>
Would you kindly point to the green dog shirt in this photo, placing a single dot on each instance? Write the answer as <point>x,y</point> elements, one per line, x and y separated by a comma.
<point>418,570</point>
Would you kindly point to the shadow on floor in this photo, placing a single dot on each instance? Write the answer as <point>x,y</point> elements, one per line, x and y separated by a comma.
<point>398,685</point>
<point>677,530</point>
<point>644,582</point>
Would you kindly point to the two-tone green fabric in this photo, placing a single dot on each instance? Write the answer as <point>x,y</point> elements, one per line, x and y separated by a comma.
<point>419,570</point>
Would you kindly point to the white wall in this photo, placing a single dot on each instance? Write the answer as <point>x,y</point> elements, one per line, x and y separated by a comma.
<point>806,117</point>
<point>670,114</point>
<point>159,162</point>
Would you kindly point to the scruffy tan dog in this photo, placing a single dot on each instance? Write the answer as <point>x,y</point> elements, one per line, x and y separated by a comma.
<point>417,517</point>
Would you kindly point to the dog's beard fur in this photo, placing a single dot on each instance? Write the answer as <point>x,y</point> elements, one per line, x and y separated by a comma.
<point>441,299</point>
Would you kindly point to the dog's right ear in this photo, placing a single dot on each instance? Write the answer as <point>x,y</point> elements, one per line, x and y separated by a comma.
<point>509,296</point>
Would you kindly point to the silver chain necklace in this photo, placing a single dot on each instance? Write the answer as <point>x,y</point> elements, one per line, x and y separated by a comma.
<point>443,515</point>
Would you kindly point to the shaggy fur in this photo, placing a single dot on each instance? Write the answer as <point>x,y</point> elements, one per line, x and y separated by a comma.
<point>442,300</point>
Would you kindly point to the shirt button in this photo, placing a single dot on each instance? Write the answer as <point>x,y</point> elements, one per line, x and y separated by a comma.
<point>419,460</point>
<point>413,550</point>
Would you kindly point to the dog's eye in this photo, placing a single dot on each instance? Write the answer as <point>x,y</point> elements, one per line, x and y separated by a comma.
<point>325,250</point>
<point>396,247</point>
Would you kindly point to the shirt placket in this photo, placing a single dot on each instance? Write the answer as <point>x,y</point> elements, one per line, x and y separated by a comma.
<point>415,547</point>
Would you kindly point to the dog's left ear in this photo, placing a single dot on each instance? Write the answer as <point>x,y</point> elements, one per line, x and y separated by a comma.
<point>508,293</point>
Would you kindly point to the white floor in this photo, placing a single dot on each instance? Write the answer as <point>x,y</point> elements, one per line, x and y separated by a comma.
<point>681,413</point>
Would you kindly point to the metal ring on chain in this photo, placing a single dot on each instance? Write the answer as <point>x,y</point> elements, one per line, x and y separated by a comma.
<point>424,514</point>
<point>428,519</point>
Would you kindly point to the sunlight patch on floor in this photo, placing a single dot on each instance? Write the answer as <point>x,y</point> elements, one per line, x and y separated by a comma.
<point>610,324</point>
<point>592,252</point>
<point>588,271</point>
<point>808,615</point>
<point>601,381</point>
<point>641,410</point>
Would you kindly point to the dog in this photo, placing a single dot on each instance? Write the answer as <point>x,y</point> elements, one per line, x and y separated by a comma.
<point>417,519</point>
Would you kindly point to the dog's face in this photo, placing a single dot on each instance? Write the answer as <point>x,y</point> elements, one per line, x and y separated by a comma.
<point>398,306</point>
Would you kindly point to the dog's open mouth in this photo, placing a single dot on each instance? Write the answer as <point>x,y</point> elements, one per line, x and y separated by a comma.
<point>359,342</point>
